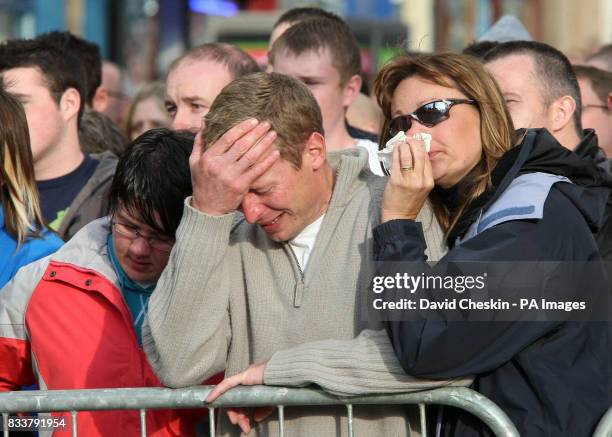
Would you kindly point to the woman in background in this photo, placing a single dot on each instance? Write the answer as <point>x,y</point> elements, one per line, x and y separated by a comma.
<point>147,110</point>
<point>23,235</point>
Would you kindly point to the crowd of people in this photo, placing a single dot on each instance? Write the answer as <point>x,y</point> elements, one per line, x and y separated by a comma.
<point>227,229</point>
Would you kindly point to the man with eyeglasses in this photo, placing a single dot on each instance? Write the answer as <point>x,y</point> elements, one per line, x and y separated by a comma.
<point>596,93</point>
<point>72,320</point>
<point>109,97</point>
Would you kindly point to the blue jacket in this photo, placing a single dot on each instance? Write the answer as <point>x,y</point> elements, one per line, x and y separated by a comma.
<point>12,258</point>
<point>552,378</point>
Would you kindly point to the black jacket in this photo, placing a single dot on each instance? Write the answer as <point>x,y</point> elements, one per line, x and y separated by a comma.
<point>551,378</point>
<point>588,149</point>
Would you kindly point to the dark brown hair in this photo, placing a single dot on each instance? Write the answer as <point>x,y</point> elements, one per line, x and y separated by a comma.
<point>295,15</point>
<point>600,80</point>
<point>603,55</point>
<point>552,69</point>
<point>466,74</point>
<point>59,68</point>
<point>316,35</point>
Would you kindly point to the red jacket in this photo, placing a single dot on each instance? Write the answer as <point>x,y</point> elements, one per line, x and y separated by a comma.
<point>65,325</point>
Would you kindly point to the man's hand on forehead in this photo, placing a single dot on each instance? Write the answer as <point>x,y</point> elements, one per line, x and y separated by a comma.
<point>223,173</point>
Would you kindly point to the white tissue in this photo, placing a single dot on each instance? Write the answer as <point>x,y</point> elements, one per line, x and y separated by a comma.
<point>386,155</point>
<point>425,137</point>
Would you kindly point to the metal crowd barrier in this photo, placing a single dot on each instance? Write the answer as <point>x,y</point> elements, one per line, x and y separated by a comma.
<point>258,396</point>
<point>604,428</point>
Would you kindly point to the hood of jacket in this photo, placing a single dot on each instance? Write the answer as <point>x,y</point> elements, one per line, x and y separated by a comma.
<point>589,149</point>
<point>91,202</point>
<point>540,152</point>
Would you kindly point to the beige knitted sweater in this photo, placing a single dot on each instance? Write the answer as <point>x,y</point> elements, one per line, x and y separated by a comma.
<point>230,297</point>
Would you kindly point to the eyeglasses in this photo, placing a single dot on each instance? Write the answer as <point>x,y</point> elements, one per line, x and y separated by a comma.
<point>428,115</point>
<point>595,106</point>
<point>132,233</point>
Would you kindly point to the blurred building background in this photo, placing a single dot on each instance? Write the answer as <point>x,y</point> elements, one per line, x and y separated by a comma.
<point>144,36</point>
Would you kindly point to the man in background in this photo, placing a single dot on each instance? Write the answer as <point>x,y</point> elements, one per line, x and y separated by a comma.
<point>541,91</point>
<point>363,116</point>
<point>97,132</point>
<point>86,52</point>
<point>49,83</point>
<point>596,94</point>
<point>195,79</point>
<point>324,55</point>
<point>602,58</point>
<point>110,98</point>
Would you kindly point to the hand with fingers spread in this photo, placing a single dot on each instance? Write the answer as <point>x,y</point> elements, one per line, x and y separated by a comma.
<point>222,174</point>
<point>410,182</point>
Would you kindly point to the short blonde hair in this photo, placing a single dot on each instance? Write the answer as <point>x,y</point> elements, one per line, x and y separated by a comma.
<point>283,101</point>
<point>467,75</point>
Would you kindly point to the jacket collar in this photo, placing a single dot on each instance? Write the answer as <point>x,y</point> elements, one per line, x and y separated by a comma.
<point>349,166</point>
<point>588,147</point>
<point>537,152</point>
<point>103,174</point>
<point>88,249</point>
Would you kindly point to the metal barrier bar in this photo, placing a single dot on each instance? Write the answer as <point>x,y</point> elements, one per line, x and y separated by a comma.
<point>211,422</point>
<point>604,428</point>
<point>281,420</point>
<point>423,417</point>
<point>143,423</point>
<point>349,409</point>
<point>75,424</point>
<point>256,396</point>
<point>5,417</point>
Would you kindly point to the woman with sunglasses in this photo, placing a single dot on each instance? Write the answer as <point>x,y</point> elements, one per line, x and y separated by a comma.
<point>500,196</point>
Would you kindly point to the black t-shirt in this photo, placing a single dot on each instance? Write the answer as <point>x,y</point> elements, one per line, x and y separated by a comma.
<point>57,194</point>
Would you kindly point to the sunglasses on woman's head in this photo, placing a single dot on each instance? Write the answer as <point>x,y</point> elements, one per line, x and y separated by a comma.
<point>428,115</point>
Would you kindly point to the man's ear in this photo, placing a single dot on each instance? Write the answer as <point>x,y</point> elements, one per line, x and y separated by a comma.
<point>351,90</point>
<point>609,102</point>
<point>562,112</point>
<point>100,100</point>
<point>315,150</point>
<point>70,103</point>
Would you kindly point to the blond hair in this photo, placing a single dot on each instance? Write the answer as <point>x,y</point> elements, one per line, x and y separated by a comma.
<point>283,101</point>
<point>18,193</point>
<point>467,75</point>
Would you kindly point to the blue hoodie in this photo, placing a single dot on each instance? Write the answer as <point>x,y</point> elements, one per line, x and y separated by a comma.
<point>12,257</point>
